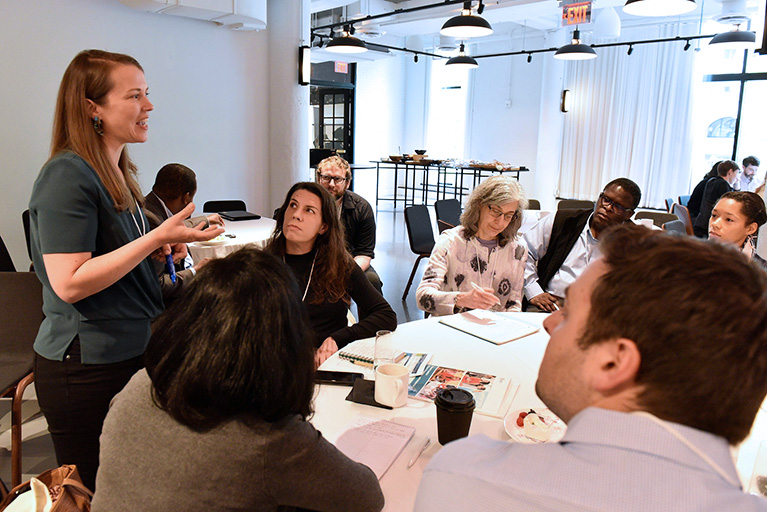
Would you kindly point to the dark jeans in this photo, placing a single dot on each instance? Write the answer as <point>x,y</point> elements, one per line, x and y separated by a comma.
<point>74,398</point>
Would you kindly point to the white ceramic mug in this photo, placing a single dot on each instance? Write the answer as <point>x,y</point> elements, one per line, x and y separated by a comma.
<point>391,384</point>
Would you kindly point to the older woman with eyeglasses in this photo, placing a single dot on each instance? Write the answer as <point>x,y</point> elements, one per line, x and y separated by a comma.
<point>479,264</point>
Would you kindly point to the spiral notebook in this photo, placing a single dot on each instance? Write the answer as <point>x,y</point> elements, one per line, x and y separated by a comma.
<point>362,352</point>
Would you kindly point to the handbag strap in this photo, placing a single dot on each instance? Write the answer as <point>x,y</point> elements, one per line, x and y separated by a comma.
<point>71,482</point>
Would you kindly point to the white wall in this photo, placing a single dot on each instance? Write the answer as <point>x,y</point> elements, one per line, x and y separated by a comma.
<point>209,86</point>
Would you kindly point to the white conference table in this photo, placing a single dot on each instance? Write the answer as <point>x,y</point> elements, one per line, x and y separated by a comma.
<point>255,232</point>
<point>518,359</point>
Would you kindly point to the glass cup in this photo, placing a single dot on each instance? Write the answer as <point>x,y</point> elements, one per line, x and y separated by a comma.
<point>384,349</point>
<point>758,483</point>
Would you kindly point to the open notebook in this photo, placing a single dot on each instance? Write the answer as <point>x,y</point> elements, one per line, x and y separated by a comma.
<point>374,442</point>
<point>489,326</point>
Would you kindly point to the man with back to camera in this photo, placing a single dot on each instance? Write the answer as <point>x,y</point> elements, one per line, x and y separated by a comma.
<point>748,181</point>
<point>335,175</point>
<point>560,246</point>
<point>654,379</point>
<point>174,187</point>
<point>728,173</point>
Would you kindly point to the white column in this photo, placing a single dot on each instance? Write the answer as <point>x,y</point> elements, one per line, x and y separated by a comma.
<point>288,28</point>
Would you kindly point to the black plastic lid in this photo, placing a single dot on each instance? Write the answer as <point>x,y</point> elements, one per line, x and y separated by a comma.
<point>455,399</point>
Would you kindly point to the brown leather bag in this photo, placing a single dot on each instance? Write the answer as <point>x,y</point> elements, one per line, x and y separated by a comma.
<point>67,491</point>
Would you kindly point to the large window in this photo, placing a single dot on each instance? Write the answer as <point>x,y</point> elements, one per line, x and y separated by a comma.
<point>446,125</point>
<point>729,106</point>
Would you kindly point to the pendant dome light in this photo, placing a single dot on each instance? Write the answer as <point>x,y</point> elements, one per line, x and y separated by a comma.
<point>467,25</point>
<point>576,50</point>
<point>658,7</point>
<point>347,43</point>
<point>735,39</point>
<point>462,60</point>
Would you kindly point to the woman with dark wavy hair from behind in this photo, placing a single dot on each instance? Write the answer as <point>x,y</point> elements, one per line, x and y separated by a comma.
<point>309,238</point>
<point>217,420</point>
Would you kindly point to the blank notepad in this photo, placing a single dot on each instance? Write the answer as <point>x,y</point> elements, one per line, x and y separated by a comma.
<point>374,442</point>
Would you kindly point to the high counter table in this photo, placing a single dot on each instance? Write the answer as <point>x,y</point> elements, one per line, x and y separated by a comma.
<point>518,360</point>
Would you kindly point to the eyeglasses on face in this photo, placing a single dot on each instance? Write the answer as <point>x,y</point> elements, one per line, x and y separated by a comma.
<point>606,201</point>
<point>497,212</point>
<point>326,178</point>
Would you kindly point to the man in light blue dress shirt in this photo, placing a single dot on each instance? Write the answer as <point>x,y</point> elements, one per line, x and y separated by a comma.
<point>655,377</point>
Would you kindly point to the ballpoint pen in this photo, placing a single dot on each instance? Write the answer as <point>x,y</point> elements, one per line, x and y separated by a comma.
<point>480,289</point>
<point>420,451</point>
<point>171,268</point>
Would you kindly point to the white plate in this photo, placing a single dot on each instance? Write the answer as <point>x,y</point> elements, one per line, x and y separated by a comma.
<point>212,243</point>
<point>516,433</point>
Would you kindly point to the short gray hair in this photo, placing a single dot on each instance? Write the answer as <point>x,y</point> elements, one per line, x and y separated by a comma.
<point>496,190</point>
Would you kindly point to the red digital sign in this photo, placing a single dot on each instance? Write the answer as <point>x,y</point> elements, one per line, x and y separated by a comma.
<point>576,14</point>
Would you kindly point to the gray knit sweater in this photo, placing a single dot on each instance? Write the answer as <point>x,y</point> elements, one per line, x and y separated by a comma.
<point>150,462</point>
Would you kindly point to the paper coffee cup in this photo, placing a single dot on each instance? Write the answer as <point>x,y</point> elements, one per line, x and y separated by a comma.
<point>455,408</point>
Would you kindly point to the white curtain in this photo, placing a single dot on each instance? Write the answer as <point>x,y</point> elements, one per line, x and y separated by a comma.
<point>630,116</point>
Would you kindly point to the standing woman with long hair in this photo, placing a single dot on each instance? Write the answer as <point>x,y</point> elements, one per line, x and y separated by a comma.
<point>90,246</point>
<point>309,237</point>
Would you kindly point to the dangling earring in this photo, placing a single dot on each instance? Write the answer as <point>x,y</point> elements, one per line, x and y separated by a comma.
<point>98,126</point>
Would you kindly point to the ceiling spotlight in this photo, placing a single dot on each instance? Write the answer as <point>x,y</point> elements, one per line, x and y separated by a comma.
<point>687,45</point>
<point>576,50</point>
<point>415,58</point>
<point>347,43</point>
<point>529,58</point>
<point>658,7</point>
<point>735,39</point>
<point>462,60</point>
<point>630,50</point>
<point>466,25</point>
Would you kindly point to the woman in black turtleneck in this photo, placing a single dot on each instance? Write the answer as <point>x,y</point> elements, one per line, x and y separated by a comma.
<point>309,237</point>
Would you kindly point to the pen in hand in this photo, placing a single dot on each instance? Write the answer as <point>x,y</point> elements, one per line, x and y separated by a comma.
<point>420,451</point>
<point>480,289</point>
<point>171,268</point>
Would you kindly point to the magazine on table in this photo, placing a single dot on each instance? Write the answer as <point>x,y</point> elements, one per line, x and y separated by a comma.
<point>492,394</point>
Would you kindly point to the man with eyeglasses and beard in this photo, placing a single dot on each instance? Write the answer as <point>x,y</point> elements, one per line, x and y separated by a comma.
<point>335,176</point>
<point>560,246</point>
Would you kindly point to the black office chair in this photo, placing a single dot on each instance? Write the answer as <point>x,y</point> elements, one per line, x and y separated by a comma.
<point>675,226</point>
<point>25,222</point>
<point>658,218</point>
<point>231,205</point>
<point>574,204</point>
<point>449,212</point>
<point>420,235</point>
<point>21,312</point>
<point>533,204</point>
<point>6,263</point>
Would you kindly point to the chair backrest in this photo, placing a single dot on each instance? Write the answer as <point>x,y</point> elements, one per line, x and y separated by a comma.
<point>683,200</point>
<point>25,223</point>
<point>228,205</point>
<point>574,204</point>
<point>684,215</point>
<point>21,312</point>
<point>533,204</point>
<point>675,226</point>
<point>419,230</point>
<point>448,210</point>
<point>6,263</point>
<point>658,218</point>
<point>669,203</point>
<point>442,225</point>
